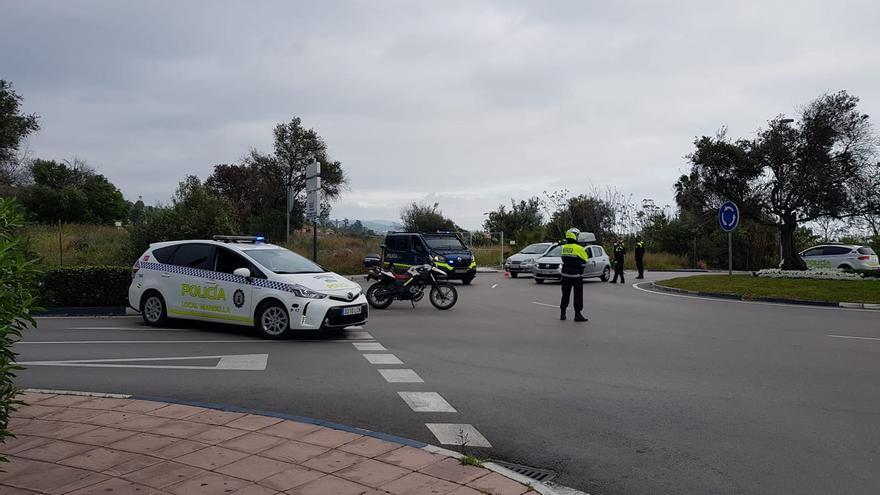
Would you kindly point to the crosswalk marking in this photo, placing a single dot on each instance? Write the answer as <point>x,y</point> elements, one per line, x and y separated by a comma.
<point>458,434</point>
<point>382,359</point>
<point>401,376</point>
<point>426,402</point>
<point>369,346</point>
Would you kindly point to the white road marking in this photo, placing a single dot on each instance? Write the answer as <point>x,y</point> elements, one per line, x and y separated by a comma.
<point>250,362</point>
<point>401,376</point>
<point>852,337</point>
<point>456,434</point>
<point>721,300</point>
<point>228,341</point>
<point>360,335</point>
<point>545,304</point>
<point>496,285</point>
<point>426,402</point>
<point>369,346</point>
<point>382,359</point>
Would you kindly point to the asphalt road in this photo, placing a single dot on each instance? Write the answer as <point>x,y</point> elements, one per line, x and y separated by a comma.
<point>656,394</point>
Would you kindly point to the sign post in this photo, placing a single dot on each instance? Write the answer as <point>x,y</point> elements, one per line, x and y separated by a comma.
<point>728,218</point>
<point>313,202</point>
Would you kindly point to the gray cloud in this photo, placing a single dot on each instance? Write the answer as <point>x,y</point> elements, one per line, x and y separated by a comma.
<point>458,102</point>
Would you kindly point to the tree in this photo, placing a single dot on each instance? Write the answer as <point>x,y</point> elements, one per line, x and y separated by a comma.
<point>257,188</point>
<point>14,128</point>
<point>195,213</point>
<point>524,216</point>
<point>72,191</point>
<point>420,217</point>
<point>16,300</point>
<point>824,165</point>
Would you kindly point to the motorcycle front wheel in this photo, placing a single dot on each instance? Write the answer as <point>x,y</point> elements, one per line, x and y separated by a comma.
<point>443,296</point>
<point>380,296</point>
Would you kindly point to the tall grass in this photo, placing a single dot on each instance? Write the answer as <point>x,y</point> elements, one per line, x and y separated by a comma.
<point>79,245</point>
<point>341,254</point>
<point>660,261</point>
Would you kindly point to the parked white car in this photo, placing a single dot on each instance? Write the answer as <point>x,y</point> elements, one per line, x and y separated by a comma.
<point>549,267</point>
<point>243,281</point>
<point>524,261</point>
<point>842,256</point>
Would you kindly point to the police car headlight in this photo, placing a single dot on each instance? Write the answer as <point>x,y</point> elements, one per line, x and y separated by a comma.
<point>300,291</point>
<point>441,259</point>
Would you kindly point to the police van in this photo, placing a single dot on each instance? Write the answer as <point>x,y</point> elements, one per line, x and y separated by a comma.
<point>242,280</point>
<point>445,250</point>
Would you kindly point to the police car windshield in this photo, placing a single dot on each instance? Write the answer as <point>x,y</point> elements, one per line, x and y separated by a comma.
<point>535,249</point>
<point>282,261</point>
<point>444,243</point>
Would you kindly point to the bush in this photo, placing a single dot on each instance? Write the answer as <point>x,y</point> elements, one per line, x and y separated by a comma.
<point>81,245</point>
<point>85,286</point>
<point>16,278</point>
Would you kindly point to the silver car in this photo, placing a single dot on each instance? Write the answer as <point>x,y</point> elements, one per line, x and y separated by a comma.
<point>524,261</point>
<point>550,266</point>
<point>842,256</point>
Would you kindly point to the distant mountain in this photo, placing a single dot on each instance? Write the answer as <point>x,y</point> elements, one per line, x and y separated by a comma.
<point>378,226</point>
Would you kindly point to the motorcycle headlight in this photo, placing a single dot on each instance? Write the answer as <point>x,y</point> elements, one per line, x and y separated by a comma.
<point>300,291</point>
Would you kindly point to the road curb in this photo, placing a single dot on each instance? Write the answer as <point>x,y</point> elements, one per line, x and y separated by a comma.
<point>778,300</point>
<point>542,488</point>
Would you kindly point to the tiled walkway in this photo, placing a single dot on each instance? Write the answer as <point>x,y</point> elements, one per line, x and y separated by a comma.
<point>68,444</point>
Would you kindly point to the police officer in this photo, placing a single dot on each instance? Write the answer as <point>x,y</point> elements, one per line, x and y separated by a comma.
<point>640,257</point>
<point>619,255</point>
<point>574,260</point>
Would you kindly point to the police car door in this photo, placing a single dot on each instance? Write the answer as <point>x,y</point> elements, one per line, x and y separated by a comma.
<point>238,290</point>
<point>188,292</point>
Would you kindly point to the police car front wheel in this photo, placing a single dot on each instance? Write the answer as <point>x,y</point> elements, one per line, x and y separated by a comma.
<point>153,309</point>
<point>273,321</point>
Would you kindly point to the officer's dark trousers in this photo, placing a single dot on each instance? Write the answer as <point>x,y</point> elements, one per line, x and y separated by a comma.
<point>640,266</point>
<point>567,284</point>
<point>618,270</point>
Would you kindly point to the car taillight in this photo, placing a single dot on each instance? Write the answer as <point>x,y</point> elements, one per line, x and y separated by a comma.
<point>134,270</point>
<point>864,258</point>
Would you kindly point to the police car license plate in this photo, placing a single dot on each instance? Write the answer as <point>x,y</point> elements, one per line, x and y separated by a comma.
<point>354,310</point>
<point>460,270</point>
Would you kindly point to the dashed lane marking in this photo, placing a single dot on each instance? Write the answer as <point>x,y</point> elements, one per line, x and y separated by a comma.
<point>401,376</point>
<point>369,346</point>
<point>426,402</point>
<point>545,304</point>
<point>382,359</point>
<point>496,285</point>
<point>458,434</point>
<point>852,337</point>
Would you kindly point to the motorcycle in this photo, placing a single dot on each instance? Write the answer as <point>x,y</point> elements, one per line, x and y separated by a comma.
<point>411,287</point>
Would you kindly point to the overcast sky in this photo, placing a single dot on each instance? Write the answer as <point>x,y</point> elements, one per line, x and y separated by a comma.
<point>464,103</point>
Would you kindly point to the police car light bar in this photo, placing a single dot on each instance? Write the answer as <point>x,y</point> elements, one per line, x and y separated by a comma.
<point>240,238</point>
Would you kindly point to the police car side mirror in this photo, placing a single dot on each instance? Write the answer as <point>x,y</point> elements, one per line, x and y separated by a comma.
<point>242,272</point>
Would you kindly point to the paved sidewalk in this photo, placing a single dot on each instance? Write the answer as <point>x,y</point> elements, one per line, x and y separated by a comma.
<point>81,445</point>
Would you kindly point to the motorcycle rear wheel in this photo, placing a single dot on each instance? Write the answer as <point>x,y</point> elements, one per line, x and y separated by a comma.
<point>379,295</point>
<point>443,296</point>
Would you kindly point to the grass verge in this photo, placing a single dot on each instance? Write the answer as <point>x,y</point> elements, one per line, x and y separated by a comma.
<point>750,287</point>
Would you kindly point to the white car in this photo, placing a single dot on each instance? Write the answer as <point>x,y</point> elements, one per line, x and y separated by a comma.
<point>842,256</point>
<point>549,267</point>
<point>243,281</point>
<point>524,261</point>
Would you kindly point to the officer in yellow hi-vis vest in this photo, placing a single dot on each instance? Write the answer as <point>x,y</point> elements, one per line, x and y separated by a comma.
<point>574,260</point>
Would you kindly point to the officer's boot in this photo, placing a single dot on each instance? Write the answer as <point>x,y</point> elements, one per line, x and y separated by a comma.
<point>579,317</point>
<point>562,315</point>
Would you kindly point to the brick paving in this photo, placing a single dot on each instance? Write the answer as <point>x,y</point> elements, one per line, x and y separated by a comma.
<point>68,444</point>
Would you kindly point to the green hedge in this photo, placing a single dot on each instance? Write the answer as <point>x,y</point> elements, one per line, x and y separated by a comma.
<point>84,286</point>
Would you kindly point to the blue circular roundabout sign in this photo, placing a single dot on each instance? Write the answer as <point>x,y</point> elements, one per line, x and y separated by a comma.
<point>728,216</point>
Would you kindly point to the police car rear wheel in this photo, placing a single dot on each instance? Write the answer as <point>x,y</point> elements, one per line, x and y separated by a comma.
<point>153,309</point>
<point>272,321</point>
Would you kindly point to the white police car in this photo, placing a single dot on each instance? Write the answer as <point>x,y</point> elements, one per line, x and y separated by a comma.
<point>245,281</point>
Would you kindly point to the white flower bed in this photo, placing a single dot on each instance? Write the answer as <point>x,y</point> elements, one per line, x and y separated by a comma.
<point>812,273</point>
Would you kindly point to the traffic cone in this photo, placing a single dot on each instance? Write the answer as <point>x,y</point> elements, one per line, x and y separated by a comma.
<point>506,274</point>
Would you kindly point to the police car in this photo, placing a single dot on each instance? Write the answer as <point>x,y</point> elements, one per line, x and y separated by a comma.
<point>242,280</point>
